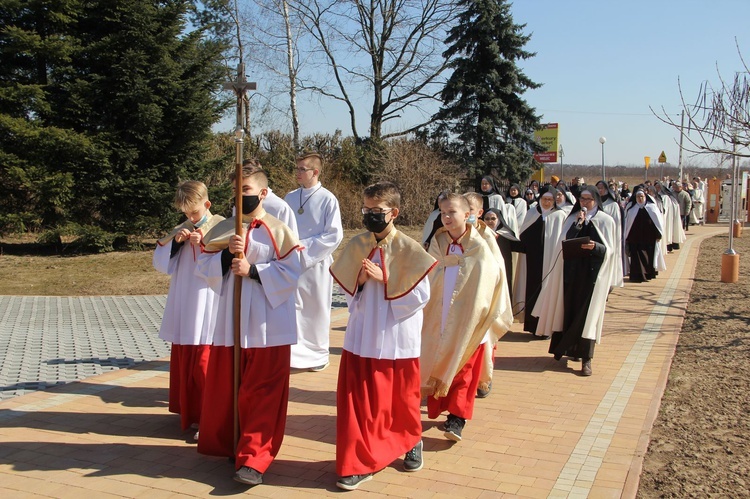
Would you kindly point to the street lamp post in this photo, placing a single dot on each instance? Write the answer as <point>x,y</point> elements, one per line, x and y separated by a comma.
<point>602,140</point>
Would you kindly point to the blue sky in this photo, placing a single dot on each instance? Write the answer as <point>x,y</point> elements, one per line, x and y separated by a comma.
<point>602,64</point>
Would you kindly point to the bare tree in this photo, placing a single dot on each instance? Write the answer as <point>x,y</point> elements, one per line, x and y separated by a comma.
<point>392,47</point>
<point>720,117</point>
<point>273,36</point>
<point>292,69</point>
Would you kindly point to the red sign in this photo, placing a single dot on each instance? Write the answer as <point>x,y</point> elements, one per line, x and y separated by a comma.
<point>546,157</point>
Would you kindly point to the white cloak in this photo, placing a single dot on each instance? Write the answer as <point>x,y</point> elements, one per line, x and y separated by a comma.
<point>656,217</point>
<point>551,298</point>
<point>612,208</point>
<point>552,226</point>
<point>521,208</point>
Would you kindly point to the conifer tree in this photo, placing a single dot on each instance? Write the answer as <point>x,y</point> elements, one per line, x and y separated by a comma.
<point>110,103</point>
<point>486,121</point>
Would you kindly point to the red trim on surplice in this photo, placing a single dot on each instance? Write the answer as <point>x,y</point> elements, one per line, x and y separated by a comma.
<point>378,415</point>
<point>463,390</point>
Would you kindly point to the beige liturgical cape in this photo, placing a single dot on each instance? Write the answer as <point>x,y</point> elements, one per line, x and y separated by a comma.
<point>218,238</point>
<point>480,303</point>
<point>211,221</point>
<point>400,275</point>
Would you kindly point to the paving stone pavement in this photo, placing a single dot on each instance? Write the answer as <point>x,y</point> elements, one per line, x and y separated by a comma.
<point>544,431</point>
<point>50,340</point>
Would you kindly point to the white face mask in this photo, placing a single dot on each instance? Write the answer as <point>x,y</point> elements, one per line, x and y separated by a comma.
<point>472,219</point>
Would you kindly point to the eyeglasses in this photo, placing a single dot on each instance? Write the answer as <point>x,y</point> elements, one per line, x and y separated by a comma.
<point>585,200</point>
<point>490,219</point>
<point>375,211</point>
<point>303,170</point>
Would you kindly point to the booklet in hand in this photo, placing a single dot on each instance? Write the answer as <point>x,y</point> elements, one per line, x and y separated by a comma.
<point>571,248</point>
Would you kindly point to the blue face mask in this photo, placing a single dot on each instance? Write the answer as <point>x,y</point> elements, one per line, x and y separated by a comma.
<point>472,219</point>
<point>201,221</point>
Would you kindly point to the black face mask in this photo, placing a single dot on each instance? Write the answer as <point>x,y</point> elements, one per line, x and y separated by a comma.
<point>249,203</point>
<point>374,222</point>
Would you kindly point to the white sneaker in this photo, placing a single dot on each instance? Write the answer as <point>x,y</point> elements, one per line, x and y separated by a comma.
<point>317,369</point>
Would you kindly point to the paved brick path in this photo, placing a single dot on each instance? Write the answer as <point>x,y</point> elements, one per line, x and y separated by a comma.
<point>544,431</point>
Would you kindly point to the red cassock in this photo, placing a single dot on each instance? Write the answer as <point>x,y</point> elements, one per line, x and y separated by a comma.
<point>378,414</point>
<point>263,400</point>
<point>463,390</point>
<point>187,379</point>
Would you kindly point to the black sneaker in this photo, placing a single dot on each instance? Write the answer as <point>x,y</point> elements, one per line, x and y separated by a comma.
<point>413,458</point>
<point>352,482</point>
<point>248,476</point>
<point>453,428</point>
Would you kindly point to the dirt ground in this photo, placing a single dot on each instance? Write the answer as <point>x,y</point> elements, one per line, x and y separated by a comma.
<point>700,443</point>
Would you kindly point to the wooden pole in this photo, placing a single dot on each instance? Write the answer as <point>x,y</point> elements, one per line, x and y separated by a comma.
<point>238,231</point>
<point>239,87</point>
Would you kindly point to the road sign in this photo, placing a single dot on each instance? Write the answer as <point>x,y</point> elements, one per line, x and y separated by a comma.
<point>647,160</point>
<point>662,157</point>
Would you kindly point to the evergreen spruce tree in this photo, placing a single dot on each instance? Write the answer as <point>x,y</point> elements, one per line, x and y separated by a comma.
<point>488,125</point>
<point>124,95</point>
<point>38,161</point>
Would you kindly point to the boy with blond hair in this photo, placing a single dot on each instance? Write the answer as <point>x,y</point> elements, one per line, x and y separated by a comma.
<point>270,266</point>
<point>185,321</point>
<point>469,300</point>
<point>384,275</point>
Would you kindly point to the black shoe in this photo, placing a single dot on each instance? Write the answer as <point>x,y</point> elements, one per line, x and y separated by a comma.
<point>453,428</point>
<point>483,393</point>
<point>351,482</point>
<point>586,367</point>
<point>413,458</point>
<point>248,476</point>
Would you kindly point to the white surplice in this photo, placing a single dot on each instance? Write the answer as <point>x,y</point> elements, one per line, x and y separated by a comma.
<point>187,318</point>
<point>267,317</point>
<point>320,232</point>
<point>385,329</point>
<point>277,207</point>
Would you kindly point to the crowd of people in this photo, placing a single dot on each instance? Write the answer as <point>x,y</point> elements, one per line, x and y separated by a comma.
<point>246,308</point>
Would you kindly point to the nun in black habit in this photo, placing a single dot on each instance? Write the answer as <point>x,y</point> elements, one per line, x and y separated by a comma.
<point>538,235</point>
<point>576,297</point>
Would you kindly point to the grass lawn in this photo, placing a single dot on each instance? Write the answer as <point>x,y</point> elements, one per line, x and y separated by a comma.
<point>116,273</point>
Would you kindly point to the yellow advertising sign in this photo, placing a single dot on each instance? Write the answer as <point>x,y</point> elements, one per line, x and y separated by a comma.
<point>547,137</point>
